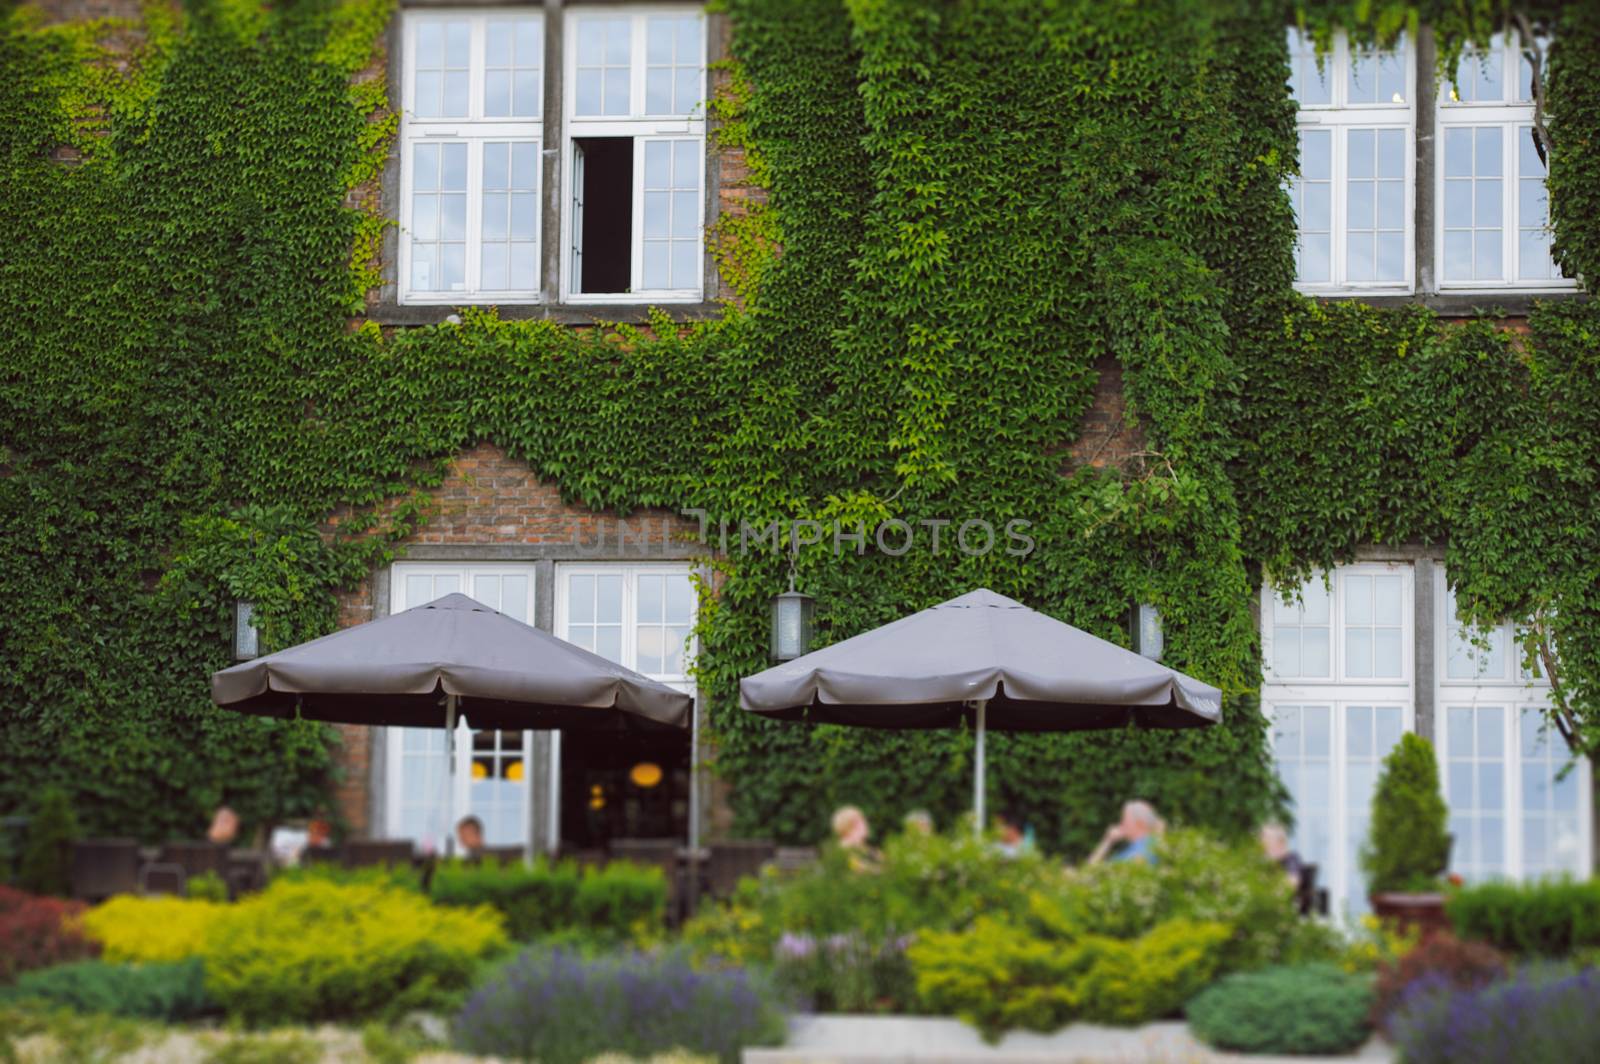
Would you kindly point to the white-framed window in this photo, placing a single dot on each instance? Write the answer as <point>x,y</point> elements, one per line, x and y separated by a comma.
<point>470,131</point>
<point>641,616</point>
<point>492,770</point>
<point>1518,802</point>
<point>1328,755</point>
<point>1494,214</point>
<point>1353,196</point>
<point>633,225</point>
<point>1354,629</point>
<point>1338,693</point>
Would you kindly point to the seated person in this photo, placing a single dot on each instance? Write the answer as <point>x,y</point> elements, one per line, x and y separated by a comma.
<point>224,827</point>
<point>1275,843</point>
<point>469,838</point>
<point>850,831</point>
<point>1013,840</point>
<point>1134,835</point>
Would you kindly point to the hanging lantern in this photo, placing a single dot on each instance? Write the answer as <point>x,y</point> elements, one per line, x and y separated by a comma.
<point>645,774</point>
<point>791,624</point>
<point>1144,626</point>
<point>246,638</point>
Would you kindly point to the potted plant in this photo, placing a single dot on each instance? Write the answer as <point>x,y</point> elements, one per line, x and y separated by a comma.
<point>1407,848</point>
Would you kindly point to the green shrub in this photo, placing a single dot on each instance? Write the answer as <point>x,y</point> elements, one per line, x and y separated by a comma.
<point>47,855</point>
<point>1197,877</point>
<point>170,992</point>
<point>622,901</point>
<point>207,886</point>
<point>1040,976</point>
<point>403,876</point>
<point>1407,847</point>
<point>1553,918</point>
<point>1309,1009</point>
<point>617,903</point>
<point>317,950</point>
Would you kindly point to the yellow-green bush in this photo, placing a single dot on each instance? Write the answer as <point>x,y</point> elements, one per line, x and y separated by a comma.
<point>1001,975</point>
<point>1153,975</point>
<point>313,950</point>
<point>136,929</point>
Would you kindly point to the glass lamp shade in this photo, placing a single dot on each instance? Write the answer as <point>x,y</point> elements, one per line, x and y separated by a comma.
<point>1146,631</point>
<point>246,638</point>
<point>791,625</point>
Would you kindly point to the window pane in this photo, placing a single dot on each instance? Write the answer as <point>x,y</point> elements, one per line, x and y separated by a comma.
<point>657,207</point>
<point>1457,152</point>
<point>616,91</point>
<point>608,643</point>
<point>658,91</point>
<point>685,215</point>
<point>657,164</point>
<point>1361,204</point>
<point>608,599</point>
<point>495,270</point>
<point>588,102</point>
<point>455,94</point>
<point>650,650</point>
<point>524,215</point>
<point>685,264</point>
<point>1318,732</point>
<point>652,598</point>
<point>1386,652</point>
<point>580,598</point>
<point>1286,653</point>
<point>657,265</point>
<point>524,265</point>
<point>1314,651</point>
<point>680,599</point>
<point>1308,84</point>
<point>1362,163</point>
<point>1487,152</point>
<point>1316,154</point>
<point>1358,652</point>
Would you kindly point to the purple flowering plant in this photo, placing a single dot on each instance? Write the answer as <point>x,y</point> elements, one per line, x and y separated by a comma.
<point>1541,1014</point>
<point>560,1007</point>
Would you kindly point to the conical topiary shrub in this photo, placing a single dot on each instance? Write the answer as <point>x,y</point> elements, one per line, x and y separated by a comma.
<point>1407,847</point>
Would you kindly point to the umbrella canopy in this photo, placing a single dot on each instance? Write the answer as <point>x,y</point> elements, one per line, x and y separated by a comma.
<point>929,670</point>
<point>986,658</point>
<point>398,671</point>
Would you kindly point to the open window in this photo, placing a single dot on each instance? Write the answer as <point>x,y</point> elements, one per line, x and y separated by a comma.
<point>635,101</point>
<point>602,215</point>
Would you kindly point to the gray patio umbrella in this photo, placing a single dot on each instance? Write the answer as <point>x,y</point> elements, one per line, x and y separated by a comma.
<point>454,656</point>
<point>986,659</point>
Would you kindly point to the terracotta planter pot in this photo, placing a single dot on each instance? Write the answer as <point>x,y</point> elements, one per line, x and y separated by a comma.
<point>1425,912</point>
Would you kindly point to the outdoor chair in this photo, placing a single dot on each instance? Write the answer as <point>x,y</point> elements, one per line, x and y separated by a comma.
<point>162,877</point>
<point>503,854</point>
<point>663,854</point>
<point>197,858</point>
<point>1308,898</point>
<point>734,859</point>
<point>364,853</point>
<point>247,872</point>
<point>314,855</point>
<point>103,867</point>
<point>794,858</point>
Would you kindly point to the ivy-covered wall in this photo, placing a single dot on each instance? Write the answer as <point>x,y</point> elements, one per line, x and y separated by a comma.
<point>972,205</point>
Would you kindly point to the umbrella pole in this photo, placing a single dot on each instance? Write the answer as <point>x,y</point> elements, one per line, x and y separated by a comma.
<point>981,706</point>
<point>450,775</point>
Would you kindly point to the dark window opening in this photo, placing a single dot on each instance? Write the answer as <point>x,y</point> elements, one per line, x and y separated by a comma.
<point>623,786</point>
<point>602,215</point>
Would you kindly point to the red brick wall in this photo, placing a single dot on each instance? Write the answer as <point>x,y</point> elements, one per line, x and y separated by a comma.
<point>1106,436</point>
<point>488,498</point>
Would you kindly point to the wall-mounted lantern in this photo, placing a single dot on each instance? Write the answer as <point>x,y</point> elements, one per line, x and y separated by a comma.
<point>791,624</point>
<point>246,637</point>
<point>1144,626</point>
